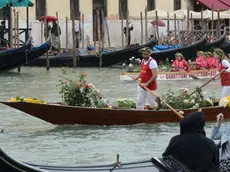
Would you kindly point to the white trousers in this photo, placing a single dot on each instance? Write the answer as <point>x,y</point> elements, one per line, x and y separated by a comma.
<point>142,96</point>
<point>225,91</point>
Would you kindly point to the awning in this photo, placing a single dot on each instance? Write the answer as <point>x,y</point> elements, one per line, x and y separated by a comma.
<point>16,3</point>
<point>216,4</point>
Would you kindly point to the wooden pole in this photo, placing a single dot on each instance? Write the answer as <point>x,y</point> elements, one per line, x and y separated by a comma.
<point>192,28</point>
<point>178,26</point>
<point>99,30</point>
<point>202,20</point>
<point>17,35</point>
<point>82,30</point>
<point>168,30</point>
<point>141,28</point>
<point>95,29</point>
<point>46,36</point>
<point>67,31</point>
<point>158,36</point>
<point>122,27</point>
<point>212,23</point>
<point>218,25</point>
<point>42,31</point>
<point>188,21</point>
<point>127,27</point>
<point>59,39</point>
<point>107,29</point>
<point>74,40</point>
<point>15,29</point>
<point>102,30</point>
<point>175,25</point>
<point>146,25</point>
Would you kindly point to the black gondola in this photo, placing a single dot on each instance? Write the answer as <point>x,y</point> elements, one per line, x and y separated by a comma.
<point>106,59</point>
<point>226,47</point>
<point>188,51</point>
<point>14,57</point>
<point>166,164</point>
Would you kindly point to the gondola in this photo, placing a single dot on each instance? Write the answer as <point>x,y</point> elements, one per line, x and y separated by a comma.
<point>14,57</point>
<point>106,59</point>
<point>226,47</point>
<point>59,114</point>
<point>165,164</point>
<point>189,52</point>
<point>216,43</point>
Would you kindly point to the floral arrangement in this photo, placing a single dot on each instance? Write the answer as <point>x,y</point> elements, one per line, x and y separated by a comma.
<point>134,64</point>
<point>28,100</point>
<point>179,99</point>
<point>225,102</point>
<point>126,103</point>
<point>79,93</point>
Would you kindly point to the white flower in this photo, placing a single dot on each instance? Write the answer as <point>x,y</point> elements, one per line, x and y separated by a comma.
<point>130,65</point>
<point>133,58</point>
<point>97,90</point>
<point>193,101</point>
<point>124,64</point>
<point>91,85</point>
<point>209,101</point>
<point>223,102</point>
<point>171,60</point>
<point>190,61</point>
<point>130,59</point>
<point>186,101</point>
<point>197,105</point>
<point>181,112</point>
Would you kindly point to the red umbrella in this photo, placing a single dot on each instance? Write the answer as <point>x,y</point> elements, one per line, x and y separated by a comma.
<point>158,23</point>
<point>48,18</point>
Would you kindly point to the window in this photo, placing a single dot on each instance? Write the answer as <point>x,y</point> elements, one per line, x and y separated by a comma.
<point>40,8</point>
<point>150,5</point>
<point>75,6</point>
<point>177,5</point>
<point>123,8</point>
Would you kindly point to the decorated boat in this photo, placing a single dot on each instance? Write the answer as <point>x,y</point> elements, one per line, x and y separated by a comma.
<point>85,59</point>
<point>14,57</point>
<point>173,76</point>
<point>165,164</point>
<point>59,114</point>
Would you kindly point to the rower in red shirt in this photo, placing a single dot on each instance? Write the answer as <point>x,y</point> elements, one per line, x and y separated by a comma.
<point>212,62</point>
<point>224,67</point>
<point>148,76</point>
<point>180,64</point>
<point>199,60</point>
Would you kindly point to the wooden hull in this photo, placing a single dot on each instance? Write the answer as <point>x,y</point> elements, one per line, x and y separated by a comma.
<point>108,58</point>
<point>69,115</point>
<point>166,164</point>
<point>14,57</point>
<point>172,76</point>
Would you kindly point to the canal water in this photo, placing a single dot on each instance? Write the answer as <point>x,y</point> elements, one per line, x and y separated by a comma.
<point>32,140</point>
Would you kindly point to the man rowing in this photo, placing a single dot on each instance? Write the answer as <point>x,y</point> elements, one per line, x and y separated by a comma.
<point>180,64</point>
<point>148,76</point>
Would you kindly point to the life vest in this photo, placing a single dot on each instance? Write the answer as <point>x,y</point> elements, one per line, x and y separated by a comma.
<point>181,65</point>
<point>201,63</point>
<point>224,77</point>
<point>146,75</point>
<point>212,63</point>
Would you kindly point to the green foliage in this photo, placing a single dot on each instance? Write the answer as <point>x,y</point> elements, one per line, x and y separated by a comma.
<point>126,103</point>
<point>79,93</point>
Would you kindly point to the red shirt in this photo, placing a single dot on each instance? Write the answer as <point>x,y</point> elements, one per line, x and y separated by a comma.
<point>212,63</point>
<point>181,65</point>
<point>146,75</point>
<point>224,77</point>
<point>201,63</point>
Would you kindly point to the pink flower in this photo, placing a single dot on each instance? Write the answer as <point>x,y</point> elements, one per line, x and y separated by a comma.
<point>79,85</point>
<point>86,86</point>
<point>84,74</point>
<point>65,81</point>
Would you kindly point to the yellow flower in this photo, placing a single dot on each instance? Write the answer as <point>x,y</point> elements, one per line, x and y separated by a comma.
<point>13,100</point>
<point>28,100</point>
<point>224,102</point>
<point>228,97</point>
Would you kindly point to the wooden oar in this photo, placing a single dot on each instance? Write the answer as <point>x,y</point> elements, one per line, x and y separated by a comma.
<point>206,83</point>
<point>192,76</point>
<point>177,113</point>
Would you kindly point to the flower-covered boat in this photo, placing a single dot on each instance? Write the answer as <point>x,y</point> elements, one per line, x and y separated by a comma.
<point>165,72</point>
<point>94,111</point>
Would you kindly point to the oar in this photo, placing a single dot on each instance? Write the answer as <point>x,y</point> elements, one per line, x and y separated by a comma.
<point>177,113</point>
<point>206,83</point>
<point>192,76</point>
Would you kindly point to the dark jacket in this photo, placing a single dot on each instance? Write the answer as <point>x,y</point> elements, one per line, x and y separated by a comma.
<point>192,147</point>
<point>54,30</point>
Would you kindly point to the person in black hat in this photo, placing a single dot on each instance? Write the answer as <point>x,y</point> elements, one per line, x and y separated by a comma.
<point>192,147</point>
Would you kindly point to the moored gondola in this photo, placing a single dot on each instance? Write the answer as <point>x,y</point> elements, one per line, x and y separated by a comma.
<point>188,51</point>
<point>166,164</point>
<point>14,57</point>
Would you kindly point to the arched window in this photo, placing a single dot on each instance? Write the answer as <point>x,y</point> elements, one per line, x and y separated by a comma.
<point>177,5</point>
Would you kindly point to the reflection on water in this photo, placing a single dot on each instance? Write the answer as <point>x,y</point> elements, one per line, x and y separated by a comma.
<point>33,140</point>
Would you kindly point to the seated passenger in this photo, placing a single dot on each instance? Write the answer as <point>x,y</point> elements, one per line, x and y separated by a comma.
<point>180,64</point>
<point>192,147</point>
